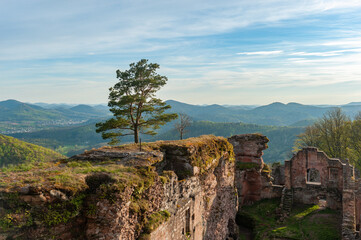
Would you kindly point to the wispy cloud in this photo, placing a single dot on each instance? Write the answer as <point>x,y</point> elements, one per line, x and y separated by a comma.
<point>260,53</point>
<point>278,45</point>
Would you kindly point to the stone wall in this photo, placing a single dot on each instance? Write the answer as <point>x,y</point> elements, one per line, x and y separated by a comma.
<point>313,177</point>
<point>199,183</point>
<point>253,182</point>
<point>203,203</point>
<point>278,174</point>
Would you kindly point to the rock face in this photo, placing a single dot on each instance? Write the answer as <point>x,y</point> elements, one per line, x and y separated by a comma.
<point>204,203</point>
<point>252,181</point>
<point>171,190</point>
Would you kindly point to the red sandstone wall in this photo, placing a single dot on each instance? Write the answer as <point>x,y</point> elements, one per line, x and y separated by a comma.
<point>251,184</point>
<point>331,176</point>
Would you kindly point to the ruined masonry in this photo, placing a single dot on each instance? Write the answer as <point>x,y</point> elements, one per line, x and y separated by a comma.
<point>195,188</point>
<point>192,190</point>
<point>313,178</point>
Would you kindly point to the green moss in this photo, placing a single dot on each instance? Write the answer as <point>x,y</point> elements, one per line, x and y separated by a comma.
<point>16,213</point>
<point>154,220</point>
<point>247,165</point>
<point>109,192</point>
<point>208,150</point>
<point>306,212</point>
<point>62,212</point>
<point>204,151</point>
<point>91,209</point>
<point>134,207</point>
<point>164,179</point>
<point>6,222</point>
<point>305,222</point>
<point>266,168</point>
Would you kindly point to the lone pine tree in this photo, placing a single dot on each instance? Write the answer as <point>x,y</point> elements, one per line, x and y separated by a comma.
<point>134,105</point>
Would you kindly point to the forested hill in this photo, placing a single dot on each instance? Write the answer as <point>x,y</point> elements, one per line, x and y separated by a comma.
<point>73,140</point>
<point>18,117</point>
<point>281,138</point>
<point>14,151</point>
<point>277,114</point>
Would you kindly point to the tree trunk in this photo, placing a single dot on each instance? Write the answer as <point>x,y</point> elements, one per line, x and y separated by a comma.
<point>181,135</point>
<point>136,135</point>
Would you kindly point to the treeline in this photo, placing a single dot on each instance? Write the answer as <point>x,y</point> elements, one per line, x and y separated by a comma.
<point>73,140</point>
<point>14,151</point>
<point>67,140</point>
<point>335,134</point>
<point>281,138</point>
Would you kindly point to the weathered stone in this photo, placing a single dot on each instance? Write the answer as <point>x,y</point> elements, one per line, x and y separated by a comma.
<point>314,178</point>
<point>124,157</point>
<point>199,186</point>
<point>34,199</point>
<point>59,195</point>
<point>251,184</point>
<point>24,190</point>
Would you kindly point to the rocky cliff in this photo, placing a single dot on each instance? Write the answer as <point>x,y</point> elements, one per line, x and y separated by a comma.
<point>185,189</point>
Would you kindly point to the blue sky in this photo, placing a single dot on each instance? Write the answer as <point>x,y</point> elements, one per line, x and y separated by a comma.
<point>225,52</point>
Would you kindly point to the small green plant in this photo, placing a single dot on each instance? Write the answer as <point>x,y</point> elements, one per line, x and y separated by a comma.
<point>91,209</point>
<point>247,165</point>
<point>62,212</point>
<point>6,222</point>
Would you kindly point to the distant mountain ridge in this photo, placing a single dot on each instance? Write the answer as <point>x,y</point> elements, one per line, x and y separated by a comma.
<point>17,116</point>
<point>277,114</point>
<point>12,110</point>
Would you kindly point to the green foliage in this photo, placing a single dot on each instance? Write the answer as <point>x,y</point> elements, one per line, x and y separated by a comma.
<point>6,222</point>
<point>336,135</point>
<point>65,140</point>
<point>306,212</point>
<point>134,105</point>
<point>305,222</point>
<point>14,151</point>
<point>73,140</point>
<point>279,147</point>
<point>266,168</point>
<point>16,213</point>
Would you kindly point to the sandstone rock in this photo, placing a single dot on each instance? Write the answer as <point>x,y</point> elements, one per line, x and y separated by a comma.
<point>59,195</point>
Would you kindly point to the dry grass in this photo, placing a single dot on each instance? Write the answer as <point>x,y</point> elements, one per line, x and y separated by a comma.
<point>70,174</point>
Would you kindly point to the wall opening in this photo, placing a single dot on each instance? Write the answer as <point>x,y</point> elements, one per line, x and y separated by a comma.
<point>333,174</point>
<point>313,176</point>
<point>188,221</point>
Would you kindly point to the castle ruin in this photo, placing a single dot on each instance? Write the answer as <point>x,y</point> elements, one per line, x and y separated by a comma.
<point>197,187</point>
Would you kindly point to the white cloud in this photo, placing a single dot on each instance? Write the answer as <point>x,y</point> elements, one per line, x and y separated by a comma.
<point>70,28</point>
<point>260,53</point>
<point>175,34</point>
<point>318,54</point>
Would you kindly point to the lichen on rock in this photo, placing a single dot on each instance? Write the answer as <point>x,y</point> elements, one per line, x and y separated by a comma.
<point>169,190</point>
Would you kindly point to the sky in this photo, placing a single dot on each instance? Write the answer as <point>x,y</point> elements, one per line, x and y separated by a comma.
<point>213,52</point>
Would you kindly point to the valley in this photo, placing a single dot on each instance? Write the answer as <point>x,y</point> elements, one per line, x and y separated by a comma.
<point>70,129</point>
